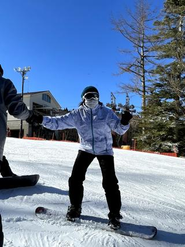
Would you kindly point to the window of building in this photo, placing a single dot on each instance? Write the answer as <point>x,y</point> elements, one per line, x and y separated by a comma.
<point>46,98</point>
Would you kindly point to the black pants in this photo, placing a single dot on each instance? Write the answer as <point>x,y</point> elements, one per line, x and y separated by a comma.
<point>110,182</point>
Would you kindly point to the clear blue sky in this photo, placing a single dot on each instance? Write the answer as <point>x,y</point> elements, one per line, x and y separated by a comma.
<point>69,44</point>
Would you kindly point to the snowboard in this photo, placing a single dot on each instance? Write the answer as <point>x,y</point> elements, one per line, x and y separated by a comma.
<point>127,229</point>
<point>18,181</point>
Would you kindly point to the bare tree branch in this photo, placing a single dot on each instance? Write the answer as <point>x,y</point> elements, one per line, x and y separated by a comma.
<point>136,30</point>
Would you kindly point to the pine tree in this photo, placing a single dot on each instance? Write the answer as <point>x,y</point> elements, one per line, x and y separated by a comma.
<point>165,112</point>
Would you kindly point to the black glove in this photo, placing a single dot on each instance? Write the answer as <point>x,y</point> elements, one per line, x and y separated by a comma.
<point>34,118</point>
<point>126,118</point>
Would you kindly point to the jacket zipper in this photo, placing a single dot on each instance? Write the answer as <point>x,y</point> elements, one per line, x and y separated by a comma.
<point>92,132</point>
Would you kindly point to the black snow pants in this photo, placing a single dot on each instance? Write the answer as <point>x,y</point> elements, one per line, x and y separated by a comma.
<point>109,183</point>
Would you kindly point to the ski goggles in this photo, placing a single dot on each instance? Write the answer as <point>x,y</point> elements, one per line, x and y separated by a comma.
<point>91,95</point>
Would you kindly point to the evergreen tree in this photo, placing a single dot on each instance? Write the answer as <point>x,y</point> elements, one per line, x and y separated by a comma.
<point>164,117</point>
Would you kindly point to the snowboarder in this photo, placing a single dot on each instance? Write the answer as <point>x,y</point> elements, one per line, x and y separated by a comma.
<point>94,123</point>
<point>11,101</point>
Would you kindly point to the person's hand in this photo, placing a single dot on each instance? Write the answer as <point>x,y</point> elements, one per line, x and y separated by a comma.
<point>125,118</point>
<point>34,118</point>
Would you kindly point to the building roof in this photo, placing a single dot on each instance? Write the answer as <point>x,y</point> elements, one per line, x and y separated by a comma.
<point>46,91</point>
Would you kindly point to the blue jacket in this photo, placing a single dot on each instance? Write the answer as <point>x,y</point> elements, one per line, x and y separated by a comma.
<point>94,127</point>
<point>12,102</point>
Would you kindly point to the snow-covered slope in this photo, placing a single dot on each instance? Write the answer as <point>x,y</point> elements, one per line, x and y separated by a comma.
<point>152,188</point>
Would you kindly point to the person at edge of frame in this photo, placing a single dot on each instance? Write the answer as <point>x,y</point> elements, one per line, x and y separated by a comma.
<point>12,102</point>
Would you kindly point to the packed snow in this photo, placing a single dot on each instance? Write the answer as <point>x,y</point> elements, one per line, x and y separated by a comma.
<point>152,188</point>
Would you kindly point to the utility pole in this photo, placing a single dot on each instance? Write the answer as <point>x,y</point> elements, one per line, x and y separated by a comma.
<point>24,77</point>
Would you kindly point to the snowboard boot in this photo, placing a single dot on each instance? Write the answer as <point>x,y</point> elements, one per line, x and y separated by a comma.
<point>5,169</point>
<point>73,212</point>
<point>114,220</point>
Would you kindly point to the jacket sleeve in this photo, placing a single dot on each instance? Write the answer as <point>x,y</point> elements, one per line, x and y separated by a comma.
<point>66,121</point>
<point>115,124</point>
<point>14,103</point>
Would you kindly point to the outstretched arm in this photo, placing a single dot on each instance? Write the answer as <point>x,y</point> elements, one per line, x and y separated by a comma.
<point>120,126</point>
<point>53,123</point>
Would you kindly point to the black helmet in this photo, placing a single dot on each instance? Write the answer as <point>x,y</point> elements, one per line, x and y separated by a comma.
<point>89,89</point>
